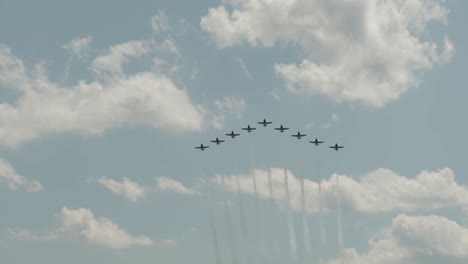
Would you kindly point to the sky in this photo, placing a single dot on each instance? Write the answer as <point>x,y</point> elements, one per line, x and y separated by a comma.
<point>103,102</point>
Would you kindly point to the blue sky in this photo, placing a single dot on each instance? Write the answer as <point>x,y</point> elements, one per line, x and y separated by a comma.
<point>102,104</point>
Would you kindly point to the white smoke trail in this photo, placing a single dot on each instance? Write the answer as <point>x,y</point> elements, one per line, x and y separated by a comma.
<point>243,221</point>
<point>292,238</point>
<point>305,223</point>
<point>339,223</point>
<point>213,226</point>
<point>257,208</point>
<point>231,235</point>
<point>276,245</point>
<point>323,237</point>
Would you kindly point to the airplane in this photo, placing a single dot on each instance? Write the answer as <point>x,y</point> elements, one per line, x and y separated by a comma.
<point>232,134</point>
<point>264,123</point>
<point>316,142</point>
<point>248,128</point>
<point>217,141</point>
<point>336,147</point>
<point>281,128</point>
<point>202,147</point>
<point>299,135</point>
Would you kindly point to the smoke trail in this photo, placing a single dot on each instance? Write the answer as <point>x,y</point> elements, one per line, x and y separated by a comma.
<point>292,238</point>
<point>231,237</point>
<point>339,224</point>
<point>270,187</point>
<point>257,208</point>
<point>305,223</point>
<point>213,226</point>
<point>323,241</point>
<point>243,221</point>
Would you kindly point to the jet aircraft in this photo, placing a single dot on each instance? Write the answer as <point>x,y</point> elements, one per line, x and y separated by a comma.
<point>202,147</point>
<point>264,123</point>
<point>316,142</point>
<point>336,147</point>
<point>248,128</point>
<point>217,141</point>
<point>281,128</point>
<point>299,135</point>
<point>232,134</point>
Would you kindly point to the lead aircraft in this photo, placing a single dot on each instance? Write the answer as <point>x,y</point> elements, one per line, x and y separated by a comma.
<point>264,123</point>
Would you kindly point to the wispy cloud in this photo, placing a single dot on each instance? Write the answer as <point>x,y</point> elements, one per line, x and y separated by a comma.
<point>244,68</point>
<point>166,184</point>
<point>130,190</point>
<point>16,181</point>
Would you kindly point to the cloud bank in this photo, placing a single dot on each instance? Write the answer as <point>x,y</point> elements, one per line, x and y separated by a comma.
<point>365,51</point>
<point>378,191</point>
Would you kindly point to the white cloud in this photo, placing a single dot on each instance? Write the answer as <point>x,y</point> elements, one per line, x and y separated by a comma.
<point>28,235</point>
<point>90,108</point>
<point>166,184</point>
<point>160,22</point>
<point>79,47</point>
<point>15,181</point>
<point>99,231</point>
<point>130,190</point>
<point>378,191</point>
<point>414,239</point>
<point>118,55</point>
<point>359,51</point>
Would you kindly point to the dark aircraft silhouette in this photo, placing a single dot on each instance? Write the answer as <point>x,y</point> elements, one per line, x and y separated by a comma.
<point>316,142</point>
<point>217,141</point>
<point>336,147</point>
<point>299,135</point>
<point>281,128</point>
<point>202,147</point>
<point>232,134</point>
<point>248,128</point>
<point>264,123</point>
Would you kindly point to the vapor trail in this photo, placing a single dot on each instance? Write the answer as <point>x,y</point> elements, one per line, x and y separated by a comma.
<point>339,224</point>
<point>231,237</point>
<point>276,246</point>
<point>292,238</point>
<point>323,241</point>
<point>213,226</point>
<point>243,222</point>
<point>305,223</point>
<point>257,207</point>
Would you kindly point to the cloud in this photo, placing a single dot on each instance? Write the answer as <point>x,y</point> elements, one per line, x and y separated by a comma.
<point>15,181</point>
<point>378,191</point>
<point>118,55</point>
<point>79,47</point>
<point>160,22</point>
<point>28,235</point>
<point>414,239</point>
<point>130,190</point>
<point>166,184</point>
<point>363,51</point>
<point>90,108</point>
<point>99,231</point>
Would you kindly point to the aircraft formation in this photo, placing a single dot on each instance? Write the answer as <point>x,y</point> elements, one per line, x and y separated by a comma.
<point>265,123</point>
